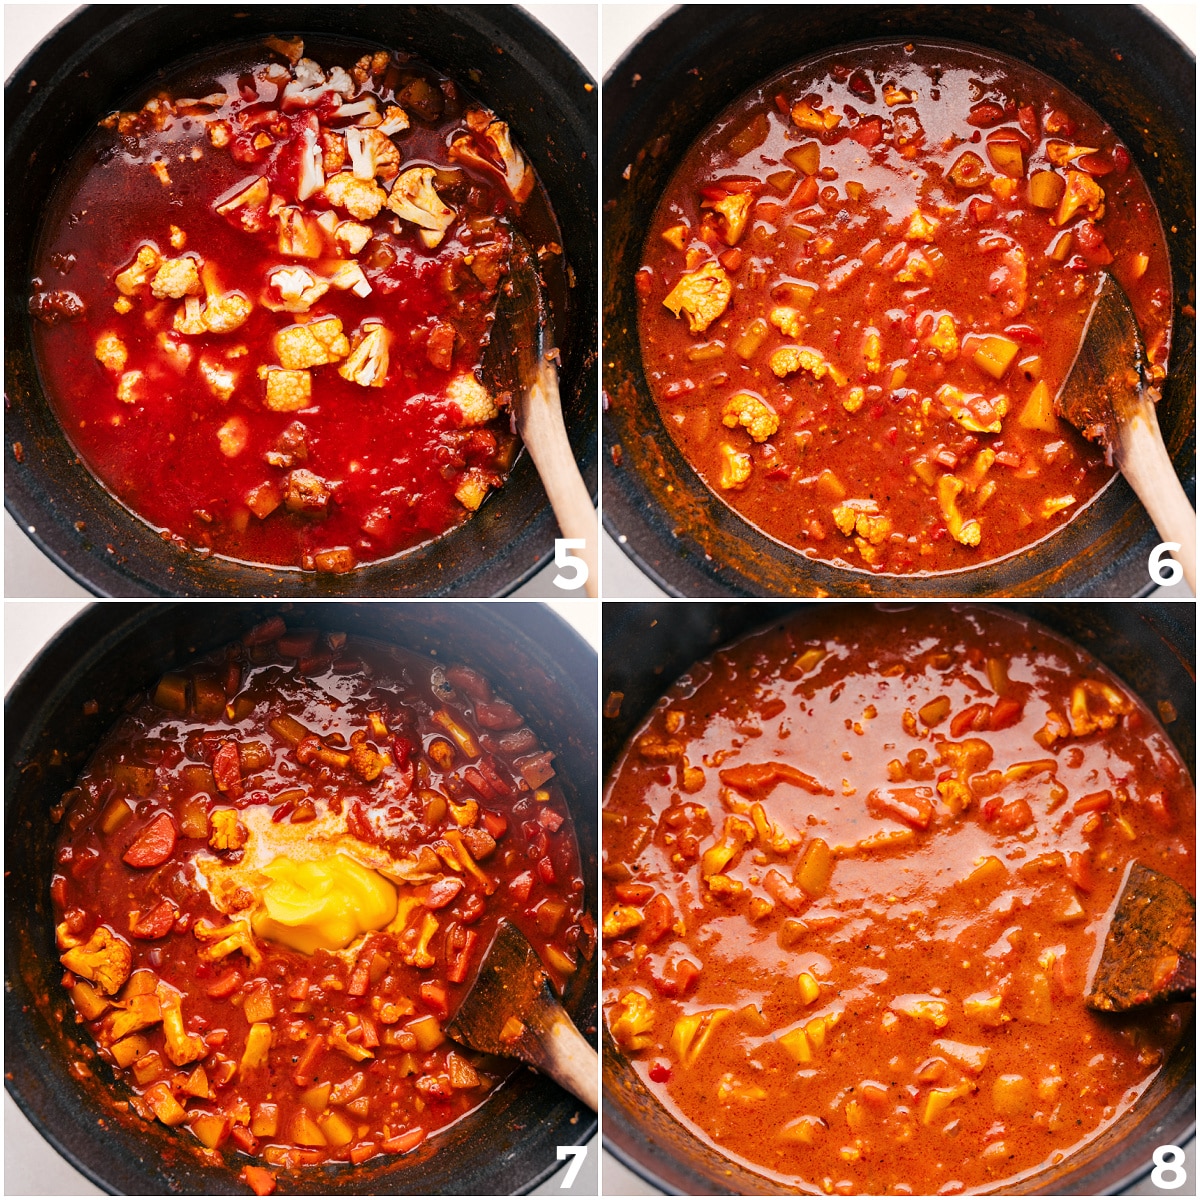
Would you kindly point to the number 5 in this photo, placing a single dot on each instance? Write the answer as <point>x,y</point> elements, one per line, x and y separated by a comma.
<point>576,1154</point>
<point>564,560</point>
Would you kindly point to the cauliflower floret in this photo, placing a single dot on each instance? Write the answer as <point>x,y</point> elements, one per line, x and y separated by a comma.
<point>333,145</point>
<point>220,134</point>
<point>179,353</point>
<point>181,1047</point>
<point>224,314</point>
<point>349,277</point>
<point>220,379</point>
<point>190,318</point>
<point>176,278</point>
<point>299,234</point>
<point>311,345</point>
<point>178,237</point>
<point>131,387</point>
<point>368,362</point>
<point>974,412</point>
<point>753,414</point>
<point>287,391</point>
<point>414,199</point>
<point>311,177</point>
<point>361,198</point>
<point>632,1024</point>
<point>944,338</point>
<point>297,288</point>
<point>473,488</point>
<point>135,277</point>
<point>105,960</point>
<point>306,87</point>
<point>111,351</point>
<point>735,467</point>
<point>372,154</point>
<point>248,204</point>
<point>473,399</point>
<point>395,120</point>
<point>789,321</point>
<point>915,268</point>
<point>862,517</point>
<point>510,163</point>
<point>233,436</point>
<point>789,359</point>
<point>964,532</point>
<point>735,209</point>
<point>921,228</point>
<point>1081,191</point>
<point>351,236</point>
<point>123,304</point>
<point>228,833</point>
<point>703,295</point>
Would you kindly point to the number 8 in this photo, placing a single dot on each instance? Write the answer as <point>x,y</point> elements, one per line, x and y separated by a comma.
<point>1168,1170</point>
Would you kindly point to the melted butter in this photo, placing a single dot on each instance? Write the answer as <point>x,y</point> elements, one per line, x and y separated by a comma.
<point>308,887</point>
<point>323,904</point>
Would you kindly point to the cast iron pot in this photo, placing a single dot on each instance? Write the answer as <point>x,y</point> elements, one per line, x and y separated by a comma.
<point>666,90</point>
<point>647,646</point>
<point>98,59</point>
<point>112,651</point>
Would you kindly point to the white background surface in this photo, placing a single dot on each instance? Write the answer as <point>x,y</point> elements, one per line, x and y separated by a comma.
<point>31,1166</point>
<point>28,572</point>
<point>621,25</point>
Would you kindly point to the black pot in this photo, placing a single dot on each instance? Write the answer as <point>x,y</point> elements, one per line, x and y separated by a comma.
<point>101,56</point>
<point>647,646</point>
<point>111,651</point>
<point>666,90</point>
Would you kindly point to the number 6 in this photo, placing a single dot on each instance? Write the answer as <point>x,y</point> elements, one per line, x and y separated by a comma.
<point>1164,570</point>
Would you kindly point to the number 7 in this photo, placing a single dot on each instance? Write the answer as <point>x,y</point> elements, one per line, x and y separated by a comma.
<point>576,1154</point>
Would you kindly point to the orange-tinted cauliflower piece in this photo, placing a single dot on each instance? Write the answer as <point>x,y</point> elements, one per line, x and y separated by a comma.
<point>703,295</point>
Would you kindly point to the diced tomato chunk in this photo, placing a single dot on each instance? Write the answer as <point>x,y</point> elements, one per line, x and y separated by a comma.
<point>259,1180</point>
<point>521,886</point>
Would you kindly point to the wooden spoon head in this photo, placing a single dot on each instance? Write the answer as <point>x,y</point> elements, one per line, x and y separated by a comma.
<point>510,986</point>
<point>1105,385</point>
<point>521,332</point>
<point>1149,952</point>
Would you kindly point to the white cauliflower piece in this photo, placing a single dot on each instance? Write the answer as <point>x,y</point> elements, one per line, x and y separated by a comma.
<point>510,164</point>
<point>248,203</point>
<point>339,81</point>
<point>190,318</point>
<point>287,391</point>
<point>220,379</point>
<point>131,387</point>
<point>368,362</point>
<point>299,234</point>
<point>753,414</point>
<point>135,277</point>
<point>179,354</point>
<point>306,87</point>
<point>395,120</point>
<point>312,159</point>
<point>372,154</point>
<point>473,399</point>
<point>176,278</point>
<point>349,277</point>
<point>351,236</point>
<point>111,352</point>
<point>311,345</point>
<point>414,199</point>
<point>224,314</point>
<point>361,198</point>
<point>293,289</point>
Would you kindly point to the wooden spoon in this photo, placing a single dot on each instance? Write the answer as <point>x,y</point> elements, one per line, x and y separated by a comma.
<point>1106,399</point>
<point>522,359</point>
<point>1149,952</point>
<point>510,1010</point>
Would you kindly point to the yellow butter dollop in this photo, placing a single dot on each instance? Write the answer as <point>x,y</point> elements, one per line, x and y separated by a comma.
<point>322,904</point>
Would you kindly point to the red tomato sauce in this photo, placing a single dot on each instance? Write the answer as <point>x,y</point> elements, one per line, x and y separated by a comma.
<point>864,287</point>
<point>311,750</point>
<point>856,869</point>
<point>178,423</point>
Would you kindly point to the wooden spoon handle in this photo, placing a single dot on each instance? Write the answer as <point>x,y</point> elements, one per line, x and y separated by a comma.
<point>572,1062</point>
<point>1144,460</point>
<point>540,424</point>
